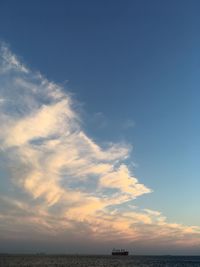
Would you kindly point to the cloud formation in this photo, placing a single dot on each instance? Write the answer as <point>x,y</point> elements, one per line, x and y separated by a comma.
<point>58,179</point>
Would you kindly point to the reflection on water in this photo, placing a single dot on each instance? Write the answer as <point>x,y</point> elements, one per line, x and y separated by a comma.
<point>97,261</point>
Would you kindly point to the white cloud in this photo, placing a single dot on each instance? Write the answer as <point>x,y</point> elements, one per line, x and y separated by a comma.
<point>9,61</point>
<point>61,176</point>
<point>129,124</point>
<point>122,180</point>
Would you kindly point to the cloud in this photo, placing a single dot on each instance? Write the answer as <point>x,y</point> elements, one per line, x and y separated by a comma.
<point>62,181</point>
<point>129,123</point>
<point>122,180</point>
<point>9,61</point>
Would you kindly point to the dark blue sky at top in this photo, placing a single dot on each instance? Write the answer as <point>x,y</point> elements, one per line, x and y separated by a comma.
<point>125,60</point>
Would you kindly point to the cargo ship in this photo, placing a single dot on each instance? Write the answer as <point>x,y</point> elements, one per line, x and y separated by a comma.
<point>120,252</point>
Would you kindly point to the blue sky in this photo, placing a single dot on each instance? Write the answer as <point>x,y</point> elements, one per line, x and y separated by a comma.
<point>131,70</point>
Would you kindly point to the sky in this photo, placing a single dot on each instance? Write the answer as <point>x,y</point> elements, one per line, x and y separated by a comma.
<point>99,115</point>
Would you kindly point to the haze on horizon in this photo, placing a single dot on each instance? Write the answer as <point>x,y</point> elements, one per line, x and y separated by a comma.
<point>99,140</point>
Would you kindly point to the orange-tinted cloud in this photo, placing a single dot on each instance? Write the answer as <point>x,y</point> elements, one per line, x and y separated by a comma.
<point>61,177</point>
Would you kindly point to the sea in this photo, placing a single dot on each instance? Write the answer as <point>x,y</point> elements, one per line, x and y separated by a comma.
<point>97,261</point>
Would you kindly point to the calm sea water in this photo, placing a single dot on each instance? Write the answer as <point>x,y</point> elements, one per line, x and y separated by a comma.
<point>97,261</point>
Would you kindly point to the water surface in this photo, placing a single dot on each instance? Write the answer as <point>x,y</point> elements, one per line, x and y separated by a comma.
<point>97,261</point>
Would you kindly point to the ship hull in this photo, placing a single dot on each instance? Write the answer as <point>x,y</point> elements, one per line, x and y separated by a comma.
<point>120,253</point>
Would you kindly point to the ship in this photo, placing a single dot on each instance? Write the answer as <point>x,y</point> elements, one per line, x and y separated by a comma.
<point>120,252</point>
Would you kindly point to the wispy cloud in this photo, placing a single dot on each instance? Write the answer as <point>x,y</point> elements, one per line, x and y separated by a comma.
<point>129,123</point>
<point>9,61</point>
<point>61,178</point>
